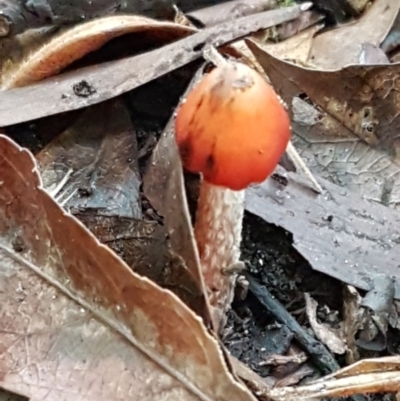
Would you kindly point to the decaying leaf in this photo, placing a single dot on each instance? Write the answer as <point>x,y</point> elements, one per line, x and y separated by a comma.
<point>98,154</point>
<point>325,334</point>
<point>377,306</point>
<point>338,232</point>
<point>351,138</point>
<point>163,184</point>
<point>19,16</point>
<point>229,10</point>
<point>102,82</point>
<point>98,157</point>
<point>342,46</point>
<point>74,43</point>
<point>296,48</point>
<point>76,322</point>
<point>368,376</point>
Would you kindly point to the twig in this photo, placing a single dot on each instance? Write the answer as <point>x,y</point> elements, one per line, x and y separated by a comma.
<point>318,352</point>
<point>300,165</point>
<point>56,190</point>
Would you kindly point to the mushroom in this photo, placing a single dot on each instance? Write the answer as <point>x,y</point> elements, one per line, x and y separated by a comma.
<point>233,129</point>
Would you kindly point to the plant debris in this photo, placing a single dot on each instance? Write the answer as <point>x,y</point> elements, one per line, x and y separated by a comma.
<point>122,276</point>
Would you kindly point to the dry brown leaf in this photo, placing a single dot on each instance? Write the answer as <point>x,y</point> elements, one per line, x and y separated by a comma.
<point>98,154</point>
<point>342,46</point>
<point>19,16</point>
<point>351,137</point>
<point>98,157</point>
<point>163,185</point>
<point>229,10</point>
<point>76,322</point>
<point>368,376</point>
<point>325,334</point>
<point>108,80</point>
<point>74,43</point>
<point>352,321</point>
<point>297,48</point>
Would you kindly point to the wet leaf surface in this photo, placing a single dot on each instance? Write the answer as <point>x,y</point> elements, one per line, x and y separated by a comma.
<point>338,232</point>
<point>345,42</point>
<point>20,15</point>
<point>350,137</point>
<point>111,79</point>
<point>76,322</point>
<point>99,156</point>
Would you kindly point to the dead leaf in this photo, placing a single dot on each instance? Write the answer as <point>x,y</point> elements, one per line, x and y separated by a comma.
<point>377,306</point>
<point>144,245</point>
<point>20,16</point>
<point>163,185</point>
<point>230,10</point>
<point>352,321</point>
<point>296,376</point>
<point>297,48</point>
<point>290,29</point>
<point>105,81</point>
<point>338,232</point>
<point>75,321</point>
<point>99,155</point>
<point>351,138</point>
<point>368,376</point>
<point>325,334</point>
<point>74,43</point>
<point>342,46</point>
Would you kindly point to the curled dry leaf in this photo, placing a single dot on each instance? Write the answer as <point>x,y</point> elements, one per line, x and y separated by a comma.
<point>325,334</point>
<point>74,43</point>
<point>56,95</point>
<point>379,375</point>
<point>76,322</point>
<point>163,185</point>
<point>19,16</point>
<point>351,137</point>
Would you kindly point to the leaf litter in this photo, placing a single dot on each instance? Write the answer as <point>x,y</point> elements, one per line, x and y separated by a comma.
<point>179,257</point>
<point>117,77</point>
<point>75,316</point>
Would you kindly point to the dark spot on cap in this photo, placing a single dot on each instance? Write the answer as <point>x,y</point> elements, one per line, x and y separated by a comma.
<point>198,105</point>
<point>185,150</point>
<point>210,164</point>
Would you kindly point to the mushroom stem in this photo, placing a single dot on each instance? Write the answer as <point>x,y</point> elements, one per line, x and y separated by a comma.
<point>218,231</point>
<point>232,129</point>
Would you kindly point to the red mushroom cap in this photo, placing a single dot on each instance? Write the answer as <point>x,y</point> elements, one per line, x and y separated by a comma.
<point>232,127</point>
